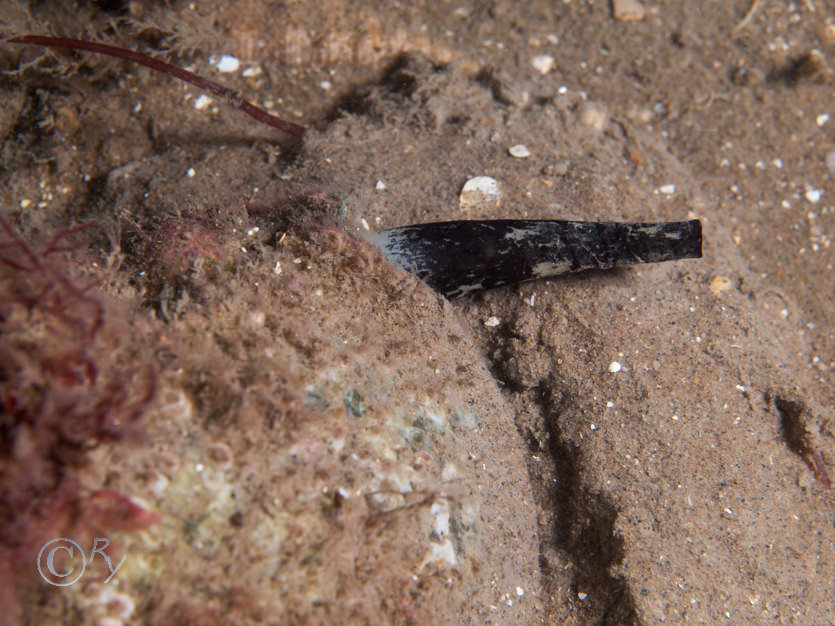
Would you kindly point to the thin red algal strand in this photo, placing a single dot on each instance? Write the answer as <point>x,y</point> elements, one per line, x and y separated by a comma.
<point>231,95</point>
<point>35,262</point>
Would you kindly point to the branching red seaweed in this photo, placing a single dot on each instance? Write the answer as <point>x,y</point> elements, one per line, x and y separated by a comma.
<point>64,390</point>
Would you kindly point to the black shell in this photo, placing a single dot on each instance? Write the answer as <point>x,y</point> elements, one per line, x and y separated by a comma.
<point>456,258</point>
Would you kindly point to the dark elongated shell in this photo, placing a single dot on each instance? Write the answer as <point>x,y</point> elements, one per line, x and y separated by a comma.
<point>456,258</point>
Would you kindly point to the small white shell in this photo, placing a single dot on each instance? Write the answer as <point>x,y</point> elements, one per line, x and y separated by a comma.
<point>227,64</point>
<point>480,192</point>
<point>543,63</point>
<point>626,10</point>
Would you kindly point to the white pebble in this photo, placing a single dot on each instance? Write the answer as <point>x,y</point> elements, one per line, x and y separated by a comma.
<point>449,472</point>
<point>667,190</point>
<point>822,119</point>
<point>252,72</point>
<point>227,64</point>
<point>625,10</point>
<point>543,63</point>
<point>594,116</point>
<point>615,367</point>
<point>520,592</point>
<point>326,85</point>
<point>380,185</point>
<point>491,321</point>
<point>480,192</point>
<point>581,595</point>
<point>191,172</point>
<point>813,195</point>
<point>520,151</point>
<point>202,102</point>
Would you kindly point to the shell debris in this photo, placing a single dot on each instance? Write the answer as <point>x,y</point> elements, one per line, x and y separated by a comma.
<point>594,116</point>
<point>719,283</point>
<point>226,64</point>
<point>543,63</point>
<point>628,10</point>
<point>480,192</point>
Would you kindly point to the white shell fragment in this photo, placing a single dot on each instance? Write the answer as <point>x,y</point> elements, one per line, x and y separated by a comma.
<point>202,102</point>
<point>615,367</point>
<point>626,10</point>
<point>520,151</point>
<point>480,192</point>
<point>594,116</point>
<point>227,64</point>
<point>492,321</point>
<point>543,63</point>
<point>813,195</point>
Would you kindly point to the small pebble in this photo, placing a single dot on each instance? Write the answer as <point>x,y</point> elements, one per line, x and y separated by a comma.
<point>491,321</point>
<point>227,64</point>
<point>481,192</point>
<point>380,185</point>
<point>667,190</point>
<point>594,116</point>
<point>626,10</point>
<point>719,284</point>
<point>520,151</point>
<point>543,63</point>
<point>581,595</point>
<point>615,367</point>
<point>202,102</point>
<point>822,119</point>
<point>191,172</point>
<point>813,195</point>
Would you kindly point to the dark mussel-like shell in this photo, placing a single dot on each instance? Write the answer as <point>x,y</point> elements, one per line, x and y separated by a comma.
<point>456,258</point>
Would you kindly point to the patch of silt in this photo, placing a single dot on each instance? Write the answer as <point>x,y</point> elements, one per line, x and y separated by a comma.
<point>325,450</point>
